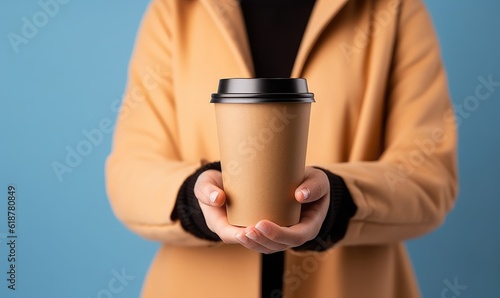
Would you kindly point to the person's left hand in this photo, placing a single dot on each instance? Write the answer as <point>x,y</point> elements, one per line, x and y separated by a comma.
<point>314,195</point>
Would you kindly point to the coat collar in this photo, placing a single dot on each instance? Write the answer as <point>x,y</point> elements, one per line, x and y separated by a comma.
<point>323,12</point>
<point>229,19</point>
<point>228,16</point>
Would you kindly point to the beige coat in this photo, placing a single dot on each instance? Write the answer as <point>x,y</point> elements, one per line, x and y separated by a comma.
<point>382,121</point>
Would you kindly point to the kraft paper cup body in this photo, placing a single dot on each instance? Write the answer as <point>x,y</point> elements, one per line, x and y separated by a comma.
<point>262,149</point>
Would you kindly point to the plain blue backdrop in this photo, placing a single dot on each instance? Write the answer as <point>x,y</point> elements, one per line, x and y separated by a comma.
<point>61,82</point>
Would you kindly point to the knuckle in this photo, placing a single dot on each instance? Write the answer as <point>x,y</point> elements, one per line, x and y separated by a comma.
<point>206,189</point>
<point>316,188</point>
<point>320,187</point>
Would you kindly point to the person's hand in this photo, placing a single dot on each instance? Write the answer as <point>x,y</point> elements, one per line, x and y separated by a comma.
<point>265,236</point>
<point>212,199</point>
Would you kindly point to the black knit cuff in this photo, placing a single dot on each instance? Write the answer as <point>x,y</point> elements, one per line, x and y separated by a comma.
<point>187,208</point>
<point>340,211</point>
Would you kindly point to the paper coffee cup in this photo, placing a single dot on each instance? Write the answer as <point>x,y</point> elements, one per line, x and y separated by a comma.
<point>262,129</point>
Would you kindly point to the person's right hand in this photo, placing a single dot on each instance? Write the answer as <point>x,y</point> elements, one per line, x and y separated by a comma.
<point>212,199</point>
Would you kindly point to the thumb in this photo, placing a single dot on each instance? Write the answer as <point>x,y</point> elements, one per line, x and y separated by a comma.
<point>208,188</point>
<point>315,186</point>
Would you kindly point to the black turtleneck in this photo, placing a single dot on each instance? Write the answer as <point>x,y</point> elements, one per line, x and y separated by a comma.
<point>275,29</point>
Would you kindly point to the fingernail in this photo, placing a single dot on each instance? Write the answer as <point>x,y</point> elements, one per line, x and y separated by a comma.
<point>306,193</point>
<point>262,228</point>
<point>252,235</point>
<point>213,196</point>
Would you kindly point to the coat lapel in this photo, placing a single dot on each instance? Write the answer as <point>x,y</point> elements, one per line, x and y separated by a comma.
<point>229,18</point>
<point>323,12</point>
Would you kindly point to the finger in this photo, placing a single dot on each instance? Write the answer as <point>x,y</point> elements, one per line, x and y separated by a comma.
<point>216,219</point>
<point>314,186</point>
<point>289,236</point>
<point>296,235</point>
<point>258,238</point>
<point>252,245</point>
<point>208,188</point>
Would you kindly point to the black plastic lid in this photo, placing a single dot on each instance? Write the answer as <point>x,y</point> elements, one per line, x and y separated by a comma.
<point>262,90</point>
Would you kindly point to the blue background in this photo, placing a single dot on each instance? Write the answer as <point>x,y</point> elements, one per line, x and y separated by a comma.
<point>66,79</point>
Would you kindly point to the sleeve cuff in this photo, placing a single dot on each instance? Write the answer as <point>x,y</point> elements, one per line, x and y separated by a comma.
<point>187,208</point>
<point>340,211</point>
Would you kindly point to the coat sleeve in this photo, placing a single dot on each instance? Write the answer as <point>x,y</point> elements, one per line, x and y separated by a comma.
<point>408,191</point>
<point>145,169</point>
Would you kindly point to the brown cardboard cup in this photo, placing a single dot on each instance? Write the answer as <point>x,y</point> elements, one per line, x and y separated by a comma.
<point>262,129</point>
